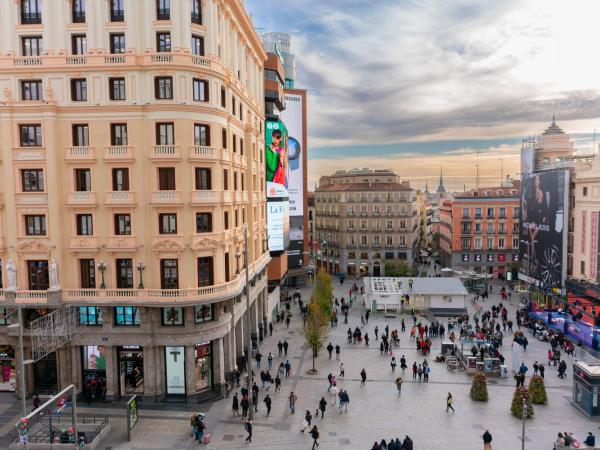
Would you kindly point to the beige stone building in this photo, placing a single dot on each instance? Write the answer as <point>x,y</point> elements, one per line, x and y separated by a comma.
<point>131,161</point>
<point>362,218</point>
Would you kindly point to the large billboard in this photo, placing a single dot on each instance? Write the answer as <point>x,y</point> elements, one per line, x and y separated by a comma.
<point>276,157</point>
<point>293,118</point>
<point>278,223</point>
<point>543,228</point>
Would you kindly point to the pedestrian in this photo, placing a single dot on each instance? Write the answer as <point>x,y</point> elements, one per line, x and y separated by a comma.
<point>344,401</point>
<point>258,358</point>
<point>235,405</point>
<point>426,372</point>
<point>402,326</point>
<point>277,383</point>
<point>292,402</point>
<point>315,435</point>
<point>542,369</point>
<point>414,370</point>
<point>407,444</point>
<point>330,349</point>
<point>449,401</point>
<point>536,368</point>
<point>403,365</point>
<point>487,440</point>
<point>334,394</point>
<point>338,349</point>
<point>287,321</point>
<point>398,385</point>
<point>393,364</point>
<point>285,347</point>
<point>199,430</point>
<point>376,332</point>
<point>366,339</point>
<point>268,402</point>
<point>420,372</point>
<point>270,360</point>
<point>363,377</point>
<point>381,346</point>
<point>288,368</point>
<point>36,401</point>
<point>249,430</point>
<point>280,347</point>
<point>342,370</point>
<point>245,404</point>
<point>306,422</point>
<point>322,407</point>
<point>270,328</point>
<point>367,314</point>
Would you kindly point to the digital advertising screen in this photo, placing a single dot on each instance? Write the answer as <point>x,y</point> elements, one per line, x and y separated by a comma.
<point>276,159</point>
<point>293,118</point>
<point>278,223</point>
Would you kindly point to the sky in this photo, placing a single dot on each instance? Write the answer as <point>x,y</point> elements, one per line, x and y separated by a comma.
<point>420,85</point>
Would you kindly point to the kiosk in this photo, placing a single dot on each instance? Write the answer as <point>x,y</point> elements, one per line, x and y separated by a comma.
<point>586,385</point>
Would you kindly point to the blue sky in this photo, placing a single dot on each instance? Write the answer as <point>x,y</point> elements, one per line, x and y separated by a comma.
<point>414,85</point>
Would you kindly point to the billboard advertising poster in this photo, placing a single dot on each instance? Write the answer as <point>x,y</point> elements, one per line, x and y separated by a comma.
<point>276,157</point>
<point>175,363</point>
<point>543,228</point>
<point>293,118</point>
<point>278,223</point>
<point>295,252</point>
<point>526,161</point>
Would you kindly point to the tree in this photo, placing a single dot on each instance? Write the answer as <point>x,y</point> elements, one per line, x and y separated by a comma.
<point>479,390</point>
<point>314,330</point>
<point>397,268</point>
<point>516,408</point>
<point>323,294</point>
<point>537,390</point>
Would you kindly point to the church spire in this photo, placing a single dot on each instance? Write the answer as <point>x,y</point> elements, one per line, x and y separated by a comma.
<point>441,187</point>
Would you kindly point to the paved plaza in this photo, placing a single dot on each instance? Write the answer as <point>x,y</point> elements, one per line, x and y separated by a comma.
<point>375,412</point>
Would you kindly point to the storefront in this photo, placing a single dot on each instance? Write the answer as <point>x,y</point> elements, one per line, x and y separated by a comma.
<point>586,386</point>
<point>130,360</point>
<point>175,370</point>
<point>45,375</point>
<point>93,363</point>
<point>203,366</point>
<point>8,372</point>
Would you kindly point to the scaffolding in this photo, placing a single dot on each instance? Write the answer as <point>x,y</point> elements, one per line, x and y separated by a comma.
<point>52,331</point>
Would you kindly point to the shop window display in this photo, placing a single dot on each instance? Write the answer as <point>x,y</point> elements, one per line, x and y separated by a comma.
<point>131,369</point>
<point>8,372</point>
<point>203,366</point>
<point>94,372</point>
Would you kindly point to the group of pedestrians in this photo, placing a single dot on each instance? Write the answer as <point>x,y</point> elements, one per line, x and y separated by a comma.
<point>394,444</point>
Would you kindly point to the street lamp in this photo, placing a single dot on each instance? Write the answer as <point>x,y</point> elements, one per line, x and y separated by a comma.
<point>141,267</point>
<point>524,416</point>
<point>102,267</point>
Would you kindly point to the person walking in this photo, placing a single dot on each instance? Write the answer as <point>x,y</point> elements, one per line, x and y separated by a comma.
<point>285,347</point>
<point>235,405</point>
<point>277,383</point>
<point>344,401</point>
<point>399,385</point>
<point>414,370</point>
<point>420,372</point>
<point>322,407</point>
<point>287,321</point>
<point>315,435</point>
<point>245,405</point>
<point>270,328</point>
<point>403,365</point>
<point>366,339</point>
<point>363,377</point>
<point>376,332</point>
<point>280,347</point>
<point>449,401</point>
<point>306,422</point>
<point>268,402</point>
<point>487,440</point>
<point>199,430</point>
<point>338,350</point>
<point>393,364</point>
<point>270,360</point>
<point>292,402</point>
<point>288,368</point>
<point>334,394</point>
<point>330,349</point>
<point>342,370</point>
<point>249,430</point>
<point>258,358</point>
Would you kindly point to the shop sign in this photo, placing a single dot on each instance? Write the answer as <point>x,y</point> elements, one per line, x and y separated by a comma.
<point>202,350</point>
<point>175,364</point>
<point>131,347</point>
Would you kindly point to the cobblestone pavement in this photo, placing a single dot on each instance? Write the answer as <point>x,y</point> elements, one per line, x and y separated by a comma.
<point>376,411</point>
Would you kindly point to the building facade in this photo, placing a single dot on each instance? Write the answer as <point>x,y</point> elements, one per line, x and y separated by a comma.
<point>479,230</point>
<point>131,159</point>
<point>362,218</point>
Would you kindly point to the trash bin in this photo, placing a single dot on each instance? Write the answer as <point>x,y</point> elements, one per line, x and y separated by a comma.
<point>503,371</point>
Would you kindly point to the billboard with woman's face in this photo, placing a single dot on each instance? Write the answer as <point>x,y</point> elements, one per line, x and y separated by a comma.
<point>543,231</point>
<point>276,159</point>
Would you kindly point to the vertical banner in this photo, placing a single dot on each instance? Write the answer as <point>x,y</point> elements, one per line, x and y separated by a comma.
<point>175,365</point>
<point>594,247</point>
<point>583,230</point>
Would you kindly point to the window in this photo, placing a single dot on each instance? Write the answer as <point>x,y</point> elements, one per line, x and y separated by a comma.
<point>465,213</point>
<point>79,90</point>
<point>402,241</point>
<point>90,315</point>
<point>205,271</point>
<point>477,243</point>
<point>78,11</point>
<point>127,315</point>
<point>165,134</point>
<point>85,225</point>
<point>32,180</point>
<point>500,242</point>
<point>200,90</point>
<point>35,225</point>
<point>116,88</point>
<point>478,228</point>
<point>163,42</point>
<point>197,45</point>
<point>117,10</point>
<point>478,213</point>
<point>169,277</point>
<point>224,137</point>
<point>196,11</point>
<point>515,243</point>
<point>203,222</point>
<point>502,228</point>
<point>465,243</point>
<point>120,179</point>
<point>227,268</point>
<point>225,179</point>
<point>124,272</point>
<point>241,111</point>
<point>87,273</point>
<point>502,213</point>
<point>204,313</point>
<point>122,224</point>
<point>81,135</point>
<point>167,223</point>
<point>223,97</point>
<point>234,141</point>
<point>203,179</point>
<point>582,267</point>
<point>233,105</point>
<point>31,12</point>
<point>201,135</point>
<point>585,193</point>
<point>490,228</point>
<point>236,220</point>
<point>389,241</point>
<point>37,273</point>
<point>83,180</point>
<point>490,243</point>
<point>31,90</point>
<point>117,43</point>
<point>78,44</point>
<point>490,213</point>
<point>166,178</point>
<point>163,9</point>
<point>172,316</point>
<point>163,88</point>
<point>118,134</point>
<point>241,147</point>
<point>226,220</point>
<point>31,135</point>
<point>31,45</point>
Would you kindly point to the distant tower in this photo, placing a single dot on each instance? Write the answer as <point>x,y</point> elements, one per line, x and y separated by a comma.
<point>441,189</point>
<point>426,187</point>
<point>281,43</point>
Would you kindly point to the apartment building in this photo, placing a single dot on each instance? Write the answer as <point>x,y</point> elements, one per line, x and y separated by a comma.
<point>479,230</point>
<point>362,218</point>
<point>131,163</point>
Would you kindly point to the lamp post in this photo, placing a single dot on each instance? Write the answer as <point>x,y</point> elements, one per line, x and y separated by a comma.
<point>141,267</point>
<point>102,267</point>
<point>524,416</point>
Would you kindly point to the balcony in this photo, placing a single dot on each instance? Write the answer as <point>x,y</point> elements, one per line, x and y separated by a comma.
<point>255,195</point>
<point>79,153</point>
<point>115,59</point>
<point>81,198</point>
<point>83,243</point>
<point>27,61</point>
<point>205,197</point>
<point>161,57</point>
<point>119,198</point>
<point>117,15</point>
<point>166,198</point>
<point>163,14</point>
<point>225,156</point>
<point>118,153</point>
<point>227,197</point>
<point>236,159</point>
<point>165,152</point>
<point>237,197</point>
<point>201,153</point>
<point>31,18</point>
<point>29,153</point>
<point>200,61</point>
<point>76,60</point>
<point>123,243</point>
<point>31,198</point>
